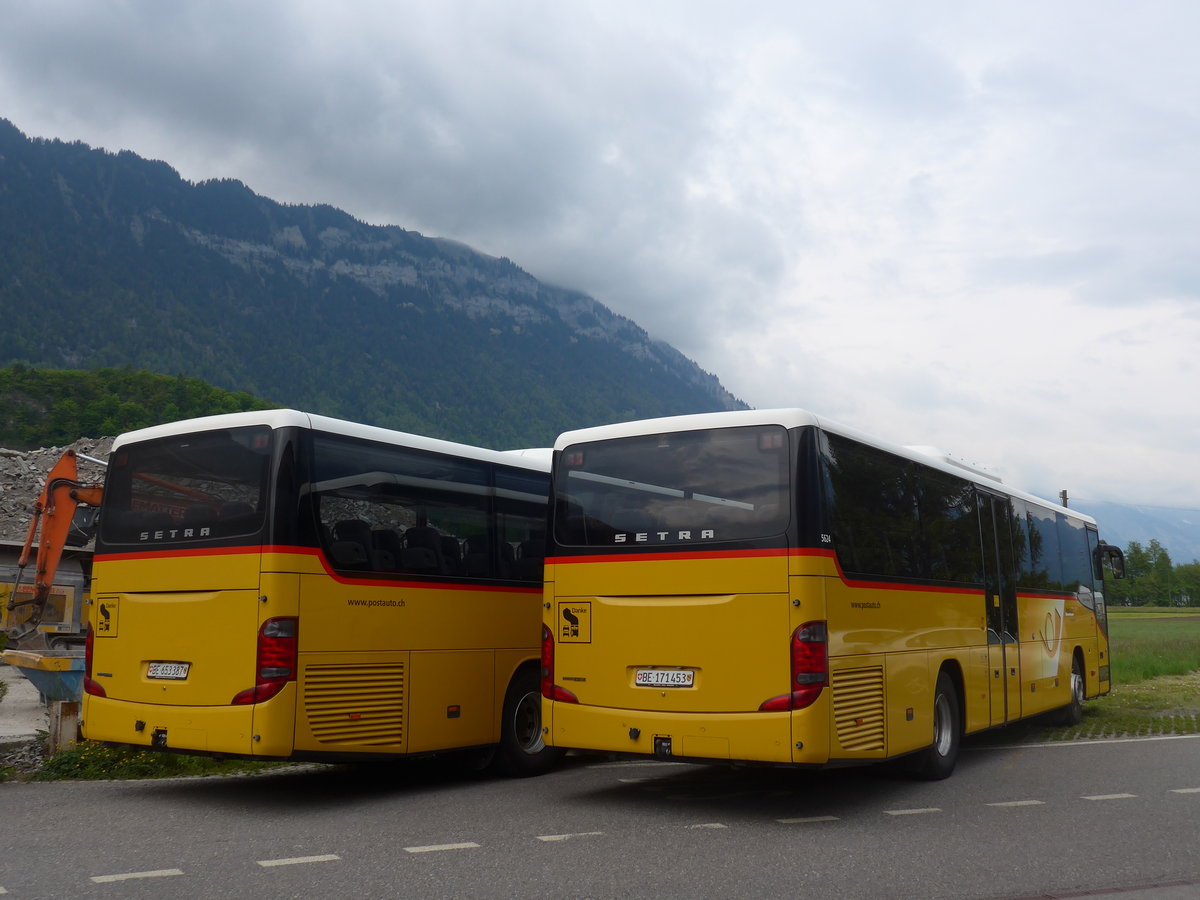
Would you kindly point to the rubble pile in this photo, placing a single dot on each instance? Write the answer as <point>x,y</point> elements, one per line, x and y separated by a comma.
<point>23,758</point>
<point>23,474</point>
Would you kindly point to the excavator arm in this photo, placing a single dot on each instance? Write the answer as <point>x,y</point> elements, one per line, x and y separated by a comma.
<point>53,512</point>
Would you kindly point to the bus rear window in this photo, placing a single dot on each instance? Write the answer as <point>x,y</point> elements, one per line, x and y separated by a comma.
<point>683,488</point>
<point>206,486</point>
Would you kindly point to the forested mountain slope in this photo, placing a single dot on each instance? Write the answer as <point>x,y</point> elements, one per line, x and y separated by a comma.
<point>53,408</point>
<point>111,260</point>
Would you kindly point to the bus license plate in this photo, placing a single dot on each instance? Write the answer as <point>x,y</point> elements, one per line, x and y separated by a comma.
<point>673,678</point>
<point>172,671</point>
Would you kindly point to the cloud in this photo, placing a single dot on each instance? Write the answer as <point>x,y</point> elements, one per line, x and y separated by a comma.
<point>974,228</point>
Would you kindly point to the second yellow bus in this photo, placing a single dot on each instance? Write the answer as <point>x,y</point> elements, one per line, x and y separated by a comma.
<point>769,586</point>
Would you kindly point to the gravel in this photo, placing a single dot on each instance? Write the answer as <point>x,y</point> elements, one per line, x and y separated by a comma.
<point>23,474</point>
<point>21,759</point>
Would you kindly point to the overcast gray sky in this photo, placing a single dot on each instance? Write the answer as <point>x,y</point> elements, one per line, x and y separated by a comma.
<point>973,225</point>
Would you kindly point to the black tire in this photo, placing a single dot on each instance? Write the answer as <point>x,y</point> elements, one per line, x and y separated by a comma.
<point>1072,713</point>
<point>937,760</point>
<point>522,751</point>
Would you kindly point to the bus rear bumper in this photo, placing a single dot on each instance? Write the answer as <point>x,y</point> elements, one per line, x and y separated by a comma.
<point>189,729</point>
<point>751,737</point>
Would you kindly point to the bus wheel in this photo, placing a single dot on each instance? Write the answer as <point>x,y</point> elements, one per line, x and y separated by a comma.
<point>1072,713</point>
<point>523,751</point>
<point>937,760</point>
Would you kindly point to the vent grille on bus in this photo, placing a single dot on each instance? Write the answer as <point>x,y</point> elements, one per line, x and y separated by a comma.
<point>355,704</point>
<point>858,708</point>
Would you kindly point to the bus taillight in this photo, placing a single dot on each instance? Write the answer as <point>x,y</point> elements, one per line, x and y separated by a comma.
<point>276,661</point>
<point>90,685</point>
<point>810,669</point>
<point>550,690</point>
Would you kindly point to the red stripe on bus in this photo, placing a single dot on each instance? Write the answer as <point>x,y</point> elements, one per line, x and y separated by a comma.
<point>320,557</point>
<point>676,555</point>
<point>759,554</point>
<point>175,554</point>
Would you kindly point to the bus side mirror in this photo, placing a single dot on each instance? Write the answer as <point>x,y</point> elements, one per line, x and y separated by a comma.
<point>1113,559</point>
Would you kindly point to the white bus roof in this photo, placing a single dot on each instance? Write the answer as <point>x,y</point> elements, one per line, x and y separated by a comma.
<point>537,459</point>
<point>795,418</point>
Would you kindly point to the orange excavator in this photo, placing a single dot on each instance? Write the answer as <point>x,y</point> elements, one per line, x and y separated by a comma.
<point>55,514</point>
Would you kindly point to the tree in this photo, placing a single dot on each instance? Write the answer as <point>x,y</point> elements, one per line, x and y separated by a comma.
<point>1187,583</point>
<point>1151,579</point>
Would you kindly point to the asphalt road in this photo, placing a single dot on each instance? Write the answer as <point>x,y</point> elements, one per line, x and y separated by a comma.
<point>1025,822</point>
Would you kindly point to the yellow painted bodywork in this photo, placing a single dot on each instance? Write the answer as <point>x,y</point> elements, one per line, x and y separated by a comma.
<point>30,659</point>
<point>729,620</point>
<point>383,667</point>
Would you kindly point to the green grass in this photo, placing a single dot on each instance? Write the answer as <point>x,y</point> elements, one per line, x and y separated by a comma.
<point>1150,646</point>
<point>1152,612</point>
<point>1155,684</point>
<point>1166,705</point>
<point>92,761</point>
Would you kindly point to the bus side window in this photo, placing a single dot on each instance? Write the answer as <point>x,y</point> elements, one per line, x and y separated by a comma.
<point>521,523</point>
<point>1045,564</point>
<point>408,510</point>
<point>386,548</point>
<point>351,544</point>
<point>1076,559</point>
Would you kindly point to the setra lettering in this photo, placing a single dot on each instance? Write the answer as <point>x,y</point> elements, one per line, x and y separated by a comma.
<point>663,537</point>
<point>175,534</point>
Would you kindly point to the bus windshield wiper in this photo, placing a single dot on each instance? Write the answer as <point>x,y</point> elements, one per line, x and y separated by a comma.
<point>659,489</point>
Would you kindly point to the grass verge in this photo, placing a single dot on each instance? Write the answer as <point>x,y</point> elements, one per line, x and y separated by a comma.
<point>1169,704</point>
<point>1156,682</point>
<point>92,761</point>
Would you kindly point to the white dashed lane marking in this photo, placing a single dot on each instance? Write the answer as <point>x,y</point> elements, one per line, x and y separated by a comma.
<point>559,838</point>
<point>635,765</point>
<point>437,848</point>
<point>806,820</point>
<point>157,873</point>
<point>706,797</point>
<point>1020,803</point>
<point>566,837</point>
<point>298,860</point>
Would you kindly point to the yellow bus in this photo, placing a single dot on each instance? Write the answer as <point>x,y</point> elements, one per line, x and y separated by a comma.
<point>287,586</point>
<point>769,586</point>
